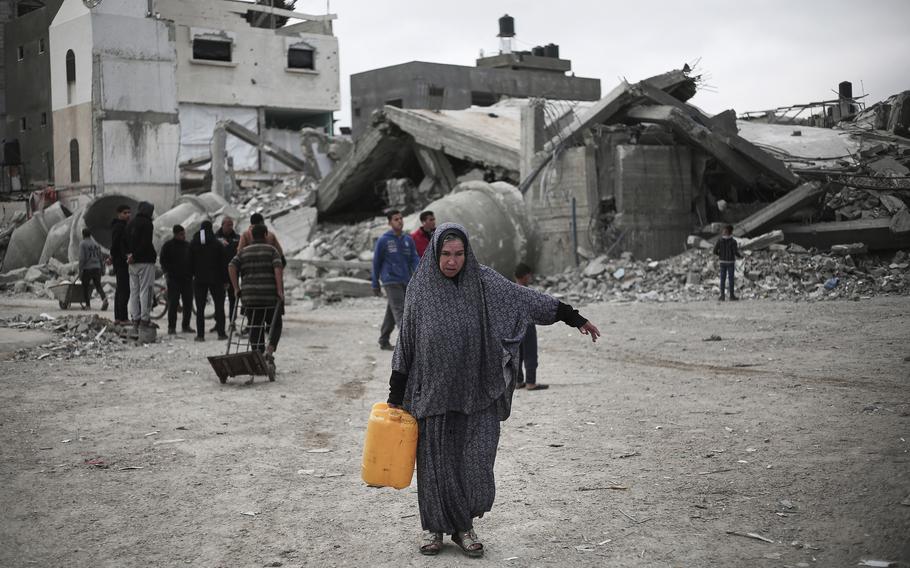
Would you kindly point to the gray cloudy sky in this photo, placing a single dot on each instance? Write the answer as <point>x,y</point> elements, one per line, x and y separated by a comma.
<point>755,54</point>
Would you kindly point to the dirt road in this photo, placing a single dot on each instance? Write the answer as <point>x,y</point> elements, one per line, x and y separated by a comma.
<point>648,450</point>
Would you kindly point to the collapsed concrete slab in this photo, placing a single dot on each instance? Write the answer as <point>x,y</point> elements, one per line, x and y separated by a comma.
<point>875,233</point>
<point>779,210</point>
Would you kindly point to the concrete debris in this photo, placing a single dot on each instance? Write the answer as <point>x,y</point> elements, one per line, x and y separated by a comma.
<point>76,336</point>
<point>778,275</point>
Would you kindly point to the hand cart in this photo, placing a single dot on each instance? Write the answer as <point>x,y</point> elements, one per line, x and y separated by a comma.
<point>246,345</point>
<point>67,292</point>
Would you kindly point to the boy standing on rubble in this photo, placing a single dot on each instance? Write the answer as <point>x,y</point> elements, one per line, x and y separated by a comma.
<point>728,251</point>
<point>91,259</point>
<point>394,262</point>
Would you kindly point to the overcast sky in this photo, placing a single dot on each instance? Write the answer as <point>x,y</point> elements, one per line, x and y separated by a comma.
<point>754,54</point>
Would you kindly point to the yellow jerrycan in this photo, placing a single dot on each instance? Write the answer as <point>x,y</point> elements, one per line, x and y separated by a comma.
<point>390,448</point>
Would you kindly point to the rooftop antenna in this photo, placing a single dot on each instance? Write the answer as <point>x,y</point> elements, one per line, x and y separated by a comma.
<point>506,33</point>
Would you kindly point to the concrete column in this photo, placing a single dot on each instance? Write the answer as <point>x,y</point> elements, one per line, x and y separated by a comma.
<point>532,134</point>
<point>218,150</point>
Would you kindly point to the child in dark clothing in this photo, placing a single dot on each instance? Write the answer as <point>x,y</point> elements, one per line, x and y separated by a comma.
<point>528,348</point>
<point>91,259</point>
<point>728,252</point>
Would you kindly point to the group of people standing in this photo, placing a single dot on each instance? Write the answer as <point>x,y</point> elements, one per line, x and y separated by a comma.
<point>209,265</point>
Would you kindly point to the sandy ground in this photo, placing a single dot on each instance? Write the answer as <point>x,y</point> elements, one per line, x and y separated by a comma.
<point>648,449</point>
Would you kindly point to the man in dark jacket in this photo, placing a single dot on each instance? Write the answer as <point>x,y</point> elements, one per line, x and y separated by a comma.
<point>728,252</point>
<point>178,269</point>
<point>208,278</point>
<point>229,239</point>
<point>118,261</point>
<point>141,257</point>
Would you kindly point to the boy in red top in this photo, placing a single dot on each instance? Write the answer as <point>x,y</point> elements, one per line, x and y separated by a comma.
<point>424,232</point>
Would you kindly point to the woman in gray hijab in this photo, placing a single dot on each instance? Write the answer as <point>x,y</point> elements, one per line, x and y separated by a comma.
<point>454,369</point>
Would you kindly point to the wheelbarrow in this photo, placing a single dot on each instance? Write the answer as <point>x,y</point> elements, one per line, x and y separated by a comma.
<point>245,353</point>
<point>67,293</point>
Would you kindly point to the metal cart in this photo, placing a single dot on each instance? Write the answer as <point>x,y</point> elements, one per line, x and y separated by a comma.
<point>246,344</point>
<point>67,293</point>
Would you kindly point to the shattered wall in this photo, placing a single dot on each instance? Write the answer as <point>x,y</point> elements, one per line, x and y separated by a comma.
<point>257,75</point>
<point>654,199</point>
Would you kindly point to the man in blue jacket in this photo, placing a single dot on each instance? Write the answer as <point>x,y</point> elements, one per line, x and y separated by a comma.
<point>394,261</point>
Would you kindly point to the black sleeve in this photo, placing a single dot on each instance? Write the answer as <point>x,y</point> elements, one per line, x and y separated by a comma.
<point>397,383</point>
<point>570,316</point>
<point>165,257</point>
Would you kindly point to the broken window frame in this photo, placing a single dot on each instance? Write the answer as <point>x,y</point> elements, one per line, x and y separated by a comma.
<point>20,53</point>
<point>212,37</point>
<point>301,48</point>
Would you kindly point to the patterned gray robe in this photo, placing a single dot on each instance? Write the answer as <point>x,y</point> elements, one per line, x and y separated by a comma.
<point>458,346</point>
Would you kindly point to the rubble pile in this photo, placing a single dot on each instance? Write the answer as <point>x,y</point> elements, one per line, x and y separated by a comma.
<point>779,273</point>
<point>850,203</point>
<point>40,279</point>
<point>293,190</point>
<point>77,336</point>
<point>337,260</point>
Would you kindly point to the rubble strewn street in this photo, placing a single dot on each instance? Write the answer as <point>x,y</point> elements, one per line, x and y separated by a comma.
<point>784,273</point>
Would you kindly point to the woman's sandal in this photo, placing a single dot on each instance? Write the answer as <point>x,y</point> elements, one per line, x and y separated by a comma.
<point>432,544</point>
<point>468,542</point>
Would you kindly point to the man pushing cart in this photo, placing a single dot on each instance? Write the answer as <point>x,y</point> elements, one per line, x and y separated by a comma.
<point>256,275</point>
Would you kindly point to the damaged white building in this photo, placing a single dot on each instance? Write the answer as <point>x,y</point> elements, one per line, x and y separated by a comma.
<point>138,86</point>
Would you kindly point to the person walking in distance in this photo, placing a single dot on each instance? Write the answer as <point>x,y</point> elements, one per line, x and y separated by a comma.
<point>395,259</point>
<point>141,257</point>
<point>527,352</point>
<point>207,256</point>
<point>178,270</point>
<point>117,260</point>
<point>229,240</point>
<point>91,259</point>
<point>247,237</point>
<point>727,251</point>
<point>424,232</point>
<point>257,277</point>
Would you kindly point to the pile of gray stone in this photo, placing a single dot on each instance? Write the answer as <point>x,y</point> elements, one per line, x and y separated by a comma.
<point>41,279</point>
<point>780,272</point>
<point>75,336</point>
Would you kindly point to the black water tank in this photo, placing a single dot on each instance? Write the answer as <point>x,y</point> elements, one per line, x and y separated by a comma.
<point>507,26</point>
<point>537,51</point>
<point>551,50</point>
<point>845,90</point>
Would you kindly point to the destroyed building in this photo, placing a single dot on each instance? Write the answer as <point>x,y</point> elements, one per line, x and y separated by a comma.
<point>539,72</point>
<point>639,171</point>
<point>137,86</point>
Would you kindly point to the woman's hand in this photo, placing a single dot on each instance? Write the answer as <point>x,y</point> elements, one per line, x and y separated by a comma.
<point>590,329</point>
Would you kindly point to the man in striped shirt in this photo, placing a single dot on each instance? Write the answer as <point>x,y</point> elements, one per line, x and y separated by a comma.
<point>258,267</point>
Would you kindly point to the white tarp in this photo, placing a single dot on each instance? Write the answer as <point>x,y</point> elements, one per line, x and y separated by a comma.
<point>197,122</point>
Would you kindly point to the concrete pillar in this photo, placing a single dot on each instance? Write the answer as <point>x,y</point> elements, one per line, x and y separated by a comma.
<point>532,134</point>
<point>218,151</point>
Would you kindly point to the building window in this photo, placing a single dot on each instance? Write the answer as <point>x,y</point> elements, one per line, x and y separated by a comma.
<point>42,46</point>
<point>301,58</point>
<point>211,50</point>
<point>43,119</point>
<point>74,160</point>
<point>20,53</point>
<point>70,76</point>
<point>436,96</point>
<point>397,103</point>
<point>23,124</point>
